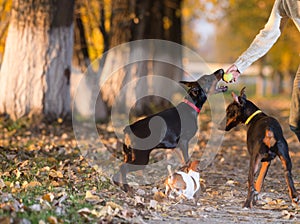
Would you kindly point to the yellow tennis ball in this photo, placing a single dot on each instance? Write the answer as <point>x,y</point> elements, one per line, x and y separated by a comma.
<point>227,77</point>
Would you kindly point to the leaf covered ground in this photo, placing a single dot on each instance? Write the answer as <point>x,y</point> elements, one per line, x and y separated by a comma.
<point>45,179</point>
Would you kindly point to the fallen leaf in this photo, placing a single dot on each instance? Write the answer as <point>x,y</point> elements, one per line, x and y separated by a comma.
<point>2,184</point>
<point>48,197</point>
<point>61,198</point>
<point>56,174</point>
<point>107,210</point>
<point>159,196</point>
<point>32,147</point>
<point>287,215</point>
<point>139,200</point>
<point>114,205</point>
<point>153,204</point>
<point>17,173</point>
<point>210,209</point>
<point>90,197</point>
<point>35,207</point>
<point>45,169</point>
<point>31,184</point>
<point>230,182</point>
<point>52,220</point>
<point>84,211</point>
<point>54,184</point>
<point>140,192</point>
<point>23,164</point>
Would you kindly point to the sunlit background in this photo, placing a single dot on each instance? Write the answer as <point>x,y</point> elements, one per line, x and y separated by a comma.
<point>219,31</point>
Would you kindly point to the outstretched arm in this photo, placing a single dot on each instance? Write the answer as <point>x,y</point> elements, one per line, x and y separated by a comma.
<point>264,40</point>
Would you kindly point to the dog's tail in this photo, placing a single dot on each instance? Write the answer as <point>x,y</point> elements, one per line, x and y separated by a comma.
<point>269,138</point>
<point>115,151</point>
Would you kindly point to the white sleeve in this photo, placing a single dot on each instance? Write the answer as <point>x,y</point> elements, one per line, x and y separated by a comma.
<point>264,40</point>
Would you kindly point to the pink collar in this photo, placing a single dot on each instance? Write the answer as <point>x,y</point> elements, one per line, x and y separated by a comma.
<point>191,105</point>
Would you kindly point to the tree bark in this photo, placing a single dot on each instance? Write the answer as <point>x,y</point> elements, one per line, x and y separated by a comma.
<point>35,74</point>
<point>81,56</point>
<point>120,33</point>
<point>171,22</point>
<point>137,20</point>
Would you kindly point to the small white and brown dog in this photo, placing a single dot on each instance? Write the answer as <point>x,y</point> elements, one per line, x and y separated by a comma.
<point>185,183</point>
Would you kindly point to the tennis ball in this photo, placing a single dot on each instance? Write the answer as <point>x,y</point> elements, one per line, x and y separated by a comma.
<point>227,77</point>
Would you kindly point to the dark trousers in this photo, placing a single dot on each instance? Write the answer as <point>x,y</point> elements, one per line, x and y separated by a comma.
<point>295,106</point>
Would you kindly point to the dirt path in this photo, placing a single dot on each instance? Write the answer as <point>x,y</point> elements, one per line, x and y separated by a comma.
<point>44,177</point>
<point>224,185</point>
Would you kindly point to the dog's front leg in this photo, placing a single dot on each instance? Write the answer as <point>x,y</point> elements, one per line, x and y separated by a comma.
<point>197,196</point>
<point>184,147</point>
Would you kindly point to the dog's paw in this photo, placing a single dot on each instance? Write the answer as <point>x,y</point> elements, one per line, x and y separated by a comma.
<point>296,201</point>
<point>248,204</point>
<point>256,197</point>
<point>127,188</point>
<point>115,179</point>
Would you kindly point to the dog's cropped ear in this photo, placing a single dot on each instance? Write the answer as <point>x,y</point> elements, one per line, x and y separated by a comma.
<point>235,97</point>
<point>193,87</point>
<point>194,91</point>
<point>188,84</point>
<point>242,93</point>
<point>240,100</point>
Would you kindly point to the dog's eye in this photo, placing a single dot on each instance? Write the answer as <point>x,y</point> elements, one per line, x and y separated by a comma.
<point>231,114</point>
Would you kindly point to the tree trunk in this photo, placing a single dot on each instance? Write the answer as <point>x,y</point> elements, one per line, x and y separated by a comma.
<point>171,22</point>
<point>260,85</point>
<point>81,57</point>
<point>139,20</point>
<point>120,33</point>
<point>287,83</point>
<point>103,28</point>
<point>277,83</point>
<point>35,74</point>
<point>261,79</point>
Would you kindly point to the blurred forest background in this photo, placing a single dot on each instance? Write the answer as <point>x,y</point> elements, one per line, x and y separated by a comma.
<point>46,47</point>
<point>218,30</point>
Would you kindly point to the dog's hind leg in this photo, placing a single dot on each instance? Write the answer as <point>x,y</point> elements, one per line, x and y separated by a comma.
<point>120,177</point>
<point>261,176</point>
<point>139,160</point>
<point>252,193</point>
<point>284,156</point>
<point>251,189</point>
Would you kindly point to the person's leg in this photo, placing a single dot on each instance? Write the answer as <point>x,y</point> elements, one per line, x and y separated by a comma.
<point>295,106</point>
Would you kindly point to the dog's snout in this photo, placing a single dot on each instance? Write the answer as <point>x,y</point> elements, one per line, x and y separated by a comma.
<point>221,71</point>
<point>219,74</point>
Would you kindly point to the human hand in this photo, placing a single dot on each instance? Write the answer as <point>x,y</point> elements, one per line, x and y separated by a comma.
<point>234,71</point>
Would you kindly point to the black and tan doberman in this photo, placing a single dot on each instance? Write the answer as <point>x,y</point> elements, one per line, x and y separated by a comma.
<point>265,141</point>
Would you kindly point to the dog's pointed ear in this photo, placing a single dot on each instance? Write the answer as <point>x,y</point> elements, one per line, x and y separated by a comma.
<point>242,98</point>
<point>187,84</point>
<point>242,93</point>
<point>235,97</point>
<point>193,87</point>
